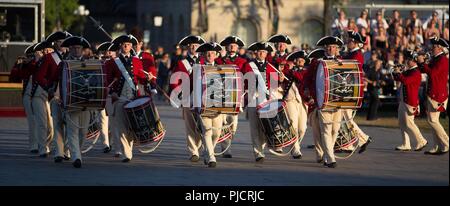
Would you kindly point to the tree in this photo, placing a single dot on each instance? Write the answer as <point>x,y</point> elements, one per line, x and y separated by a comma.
<point>59,15</point>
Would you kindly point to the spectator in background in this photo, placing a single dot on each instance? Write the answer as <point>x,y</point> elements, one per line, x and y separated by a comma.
<point>396,18</point>
<point>176,56</point>
<point>412,22</point>
<point>380,40</point>
<point>431,31</point>
<point>365,34</point>
<point>305,47</point>
<point>339,26</point>
<point>398,41</point>
<point>164,73</point>
<point>243,53</point>
<point>378,22</point>
<point>158,53</point>
<point>363,21</point>
<point>372,78</point>
<point>445,35</point>
<point>295,48</point>
<point>352,25</point>
<point>434,21</point>
<point>414,39</point>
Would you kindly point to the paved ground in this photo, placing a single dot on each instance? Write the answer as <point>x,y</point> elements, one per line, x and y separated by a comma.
<point>169,164</point>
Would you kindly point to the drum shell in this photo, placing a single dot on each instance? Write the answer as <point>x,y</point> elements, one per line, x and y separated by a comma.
<point>202,85</point>
<point>74,74</point>
<point>330,78</point>
<point>144,122</point>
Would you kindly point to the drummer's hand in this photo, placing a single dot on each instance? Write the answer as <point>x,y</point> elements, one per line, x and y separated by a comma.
<point>114,97</point>
<point>282,77</point>
<point>150,76</point>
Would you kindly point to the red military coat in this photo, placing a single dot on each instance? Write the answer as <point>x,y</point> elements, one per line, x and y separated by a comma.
<point>411,80</point>
<point>114,75</point>
<point>437,72</point>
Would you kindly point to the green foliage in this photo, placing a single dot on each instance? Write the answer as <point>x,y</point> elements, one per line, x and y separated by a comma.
<point>62,9</point>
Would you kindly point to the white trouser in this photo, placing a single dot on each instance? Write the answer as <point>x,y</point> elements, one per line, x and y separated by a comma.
<point>32,139</point>
<point>77,124</point>
<point>297,114</point>
<point>315,126</point>
<point>439,136</point>
<point>103,121</point>
<point>42,120</point>
<point>59,137</point>
<point>119,129</point>
<point>110,111</point>
<point>194,139</point>
<point>330,123</point>
<point>257,134</point>
<point>362,137</point>
<point>211,130</point>
<point>408,127</point>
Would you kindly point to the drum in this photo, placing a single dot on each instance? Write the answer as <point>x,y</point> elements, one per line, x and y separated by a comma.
<point>144,121</point>
<point>339,85</point>
<point>275,123</point>
<point>83,85</point>
<point>346,136</point>
<point>217,89</point>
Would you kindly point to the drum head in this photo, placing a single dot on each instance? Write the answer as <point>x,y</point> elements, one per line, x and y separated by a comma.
<point>137,102</point>
<point>270,109</point>
<point>320,84</point>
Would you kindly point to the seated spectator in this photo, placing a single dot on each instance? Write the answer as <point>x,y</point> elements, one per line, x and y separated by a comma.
<point>398,41</point>
<point>367,45</point>
<point>445,35</point>
<point>412,22</point>
<point>340,24</point>
<point>414,39</point>
<point>380,40</point>
<point>378,22</point>
<point>363,21</point>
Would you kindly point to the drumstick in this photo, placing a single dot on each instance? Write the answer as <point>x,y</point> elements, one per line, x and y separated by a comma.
<point>281,73</point>
<point>109,86</point>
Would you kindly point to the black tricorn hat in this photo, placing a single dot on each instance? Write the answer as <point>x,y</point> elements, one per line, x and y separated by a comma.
<point>125,38</point>
<point>191,39</point>
<point>76,40</point>
<point>280,38</point>
<point>356,36</point>
<point>113,47</point>
<point>209,46</point>
<point>410,55</point>
<point>316,54</point>
<point>298,54</point>
<point>30,49</point>
<point>104,46</point>
<point>439,41</point>
<point>42,45</point>
<point>329,40</point>
<point>58,35</point>
<point>232,39</point>
<point>260,46</point>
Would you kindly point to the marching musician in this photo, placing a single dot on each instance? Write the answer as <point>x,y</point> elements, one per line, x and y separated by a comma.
<point>329,120</point>
<point>265,72</point>
<point>184,67</point>
<point>148,62</point>
<point>105,54</point>
<point>437,93</point>
<point>22,71</point>
<point>125,72</point>
<point>45,86</point>
<point>211,124</point>
<point>353,45</point>
<point>296,101</point>
<point>281,41</point>
<point>408,107</point>
<point>232,45</point>
<point>77,121</point>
